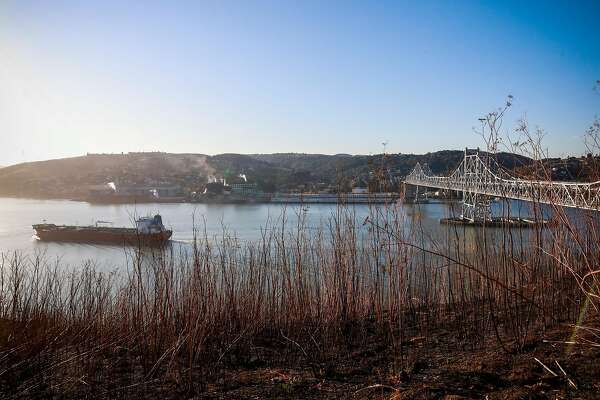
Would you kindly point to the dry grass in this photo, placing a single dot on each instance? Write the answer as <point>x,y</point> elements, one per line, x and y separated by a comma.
<point>306,295</point>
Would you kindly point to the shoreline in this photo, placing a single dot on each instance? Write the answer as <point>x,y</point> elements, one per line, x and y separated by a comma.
<point>211,201</point>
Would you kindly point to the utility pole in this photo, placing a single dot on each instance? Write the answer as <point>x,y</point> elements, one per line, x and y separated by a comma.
<point>383,171</point>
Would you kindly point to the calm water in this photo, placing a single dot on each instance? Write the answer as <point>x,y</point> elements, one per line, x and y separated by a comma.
<point>245,221</point>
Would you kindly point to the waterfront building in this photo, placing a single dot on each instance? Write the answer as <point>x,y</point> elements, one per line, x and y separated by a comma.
<point>244,189</point>
<point>335,198</point>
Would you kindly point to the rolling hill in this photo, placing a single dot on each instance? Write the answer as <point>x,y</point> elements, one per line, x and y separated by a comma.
<point>72,177</point>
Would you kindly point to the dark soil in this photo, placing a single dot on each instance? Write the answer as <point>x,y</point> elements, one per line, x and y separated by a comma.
<point>431,369</point>
<point>437,367</point>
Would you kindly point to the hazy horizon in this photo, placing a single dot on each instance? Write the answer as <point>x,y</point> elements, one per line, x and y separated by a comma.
<point>268,77</point>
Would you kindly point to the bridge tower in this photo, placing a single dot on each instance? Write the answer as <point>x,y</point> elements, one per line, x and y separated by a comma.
<point>474,206</point>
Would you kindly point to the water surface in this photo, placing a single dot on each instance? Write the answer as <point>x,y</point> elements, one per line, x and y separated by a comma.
<point>243,220</point>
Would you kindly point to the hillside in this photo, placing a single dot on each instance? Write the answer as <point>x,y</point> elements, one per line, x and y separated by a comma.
<point>72,177</point>
<point>328,168</point>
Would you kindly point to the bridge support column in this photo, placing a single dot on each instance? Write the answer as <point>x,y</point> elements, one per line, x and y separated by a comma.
<point>475,207</point>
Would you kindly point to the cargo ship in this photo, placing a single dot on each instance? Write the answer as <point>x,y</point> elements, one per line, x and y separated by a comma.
<point>148,230</point>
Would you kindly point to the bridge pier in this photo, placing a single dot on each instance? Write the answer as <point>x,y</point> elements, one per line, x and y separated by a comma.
<point>475,207</point>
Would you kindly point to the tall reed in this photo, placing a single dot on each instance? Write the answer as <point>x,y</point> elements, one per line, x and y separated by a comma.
<point>300,295</point>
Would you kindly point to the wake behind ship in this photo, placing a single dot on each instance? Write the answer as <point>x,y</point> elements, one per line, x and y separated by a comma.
<point>148,230</point>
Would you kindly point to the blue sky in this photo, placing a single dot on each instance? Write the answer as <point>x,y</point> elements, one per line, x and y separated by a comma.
<point>316,77</point>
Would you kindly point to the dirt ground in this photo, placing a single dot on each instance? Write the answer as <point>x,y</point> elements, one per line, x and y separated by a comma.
<point>437,367</point>
<point>431,371</point>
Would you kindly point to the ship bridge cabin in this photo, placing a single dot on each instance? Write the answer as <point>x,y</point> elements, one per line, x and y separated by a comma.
<point>149,225</point>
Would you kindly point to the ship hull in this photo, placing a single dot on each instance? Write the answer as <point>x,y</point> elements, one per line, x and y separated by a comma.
<point>119,236</point>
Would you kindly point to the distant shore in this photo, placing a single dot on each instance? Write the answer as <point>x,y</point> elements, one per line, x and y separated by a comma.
<point>283,198</point>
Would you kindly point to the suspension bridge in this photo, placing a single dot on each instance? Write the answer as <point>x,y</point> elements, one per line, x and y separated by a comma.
<point>479,178</point>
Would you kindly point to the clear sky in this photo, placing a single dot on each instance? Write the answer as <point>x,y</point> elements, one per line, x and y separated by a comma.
<point>289,76</point>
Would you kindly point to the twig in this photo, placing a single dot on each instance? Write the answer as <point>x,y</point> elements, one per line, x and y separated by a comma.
<point>565,374</point>
<point>241,335</point>
<point>296,343</point>
<point>570,342</point>
<point>378,385</point>
<point>544,365</point>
